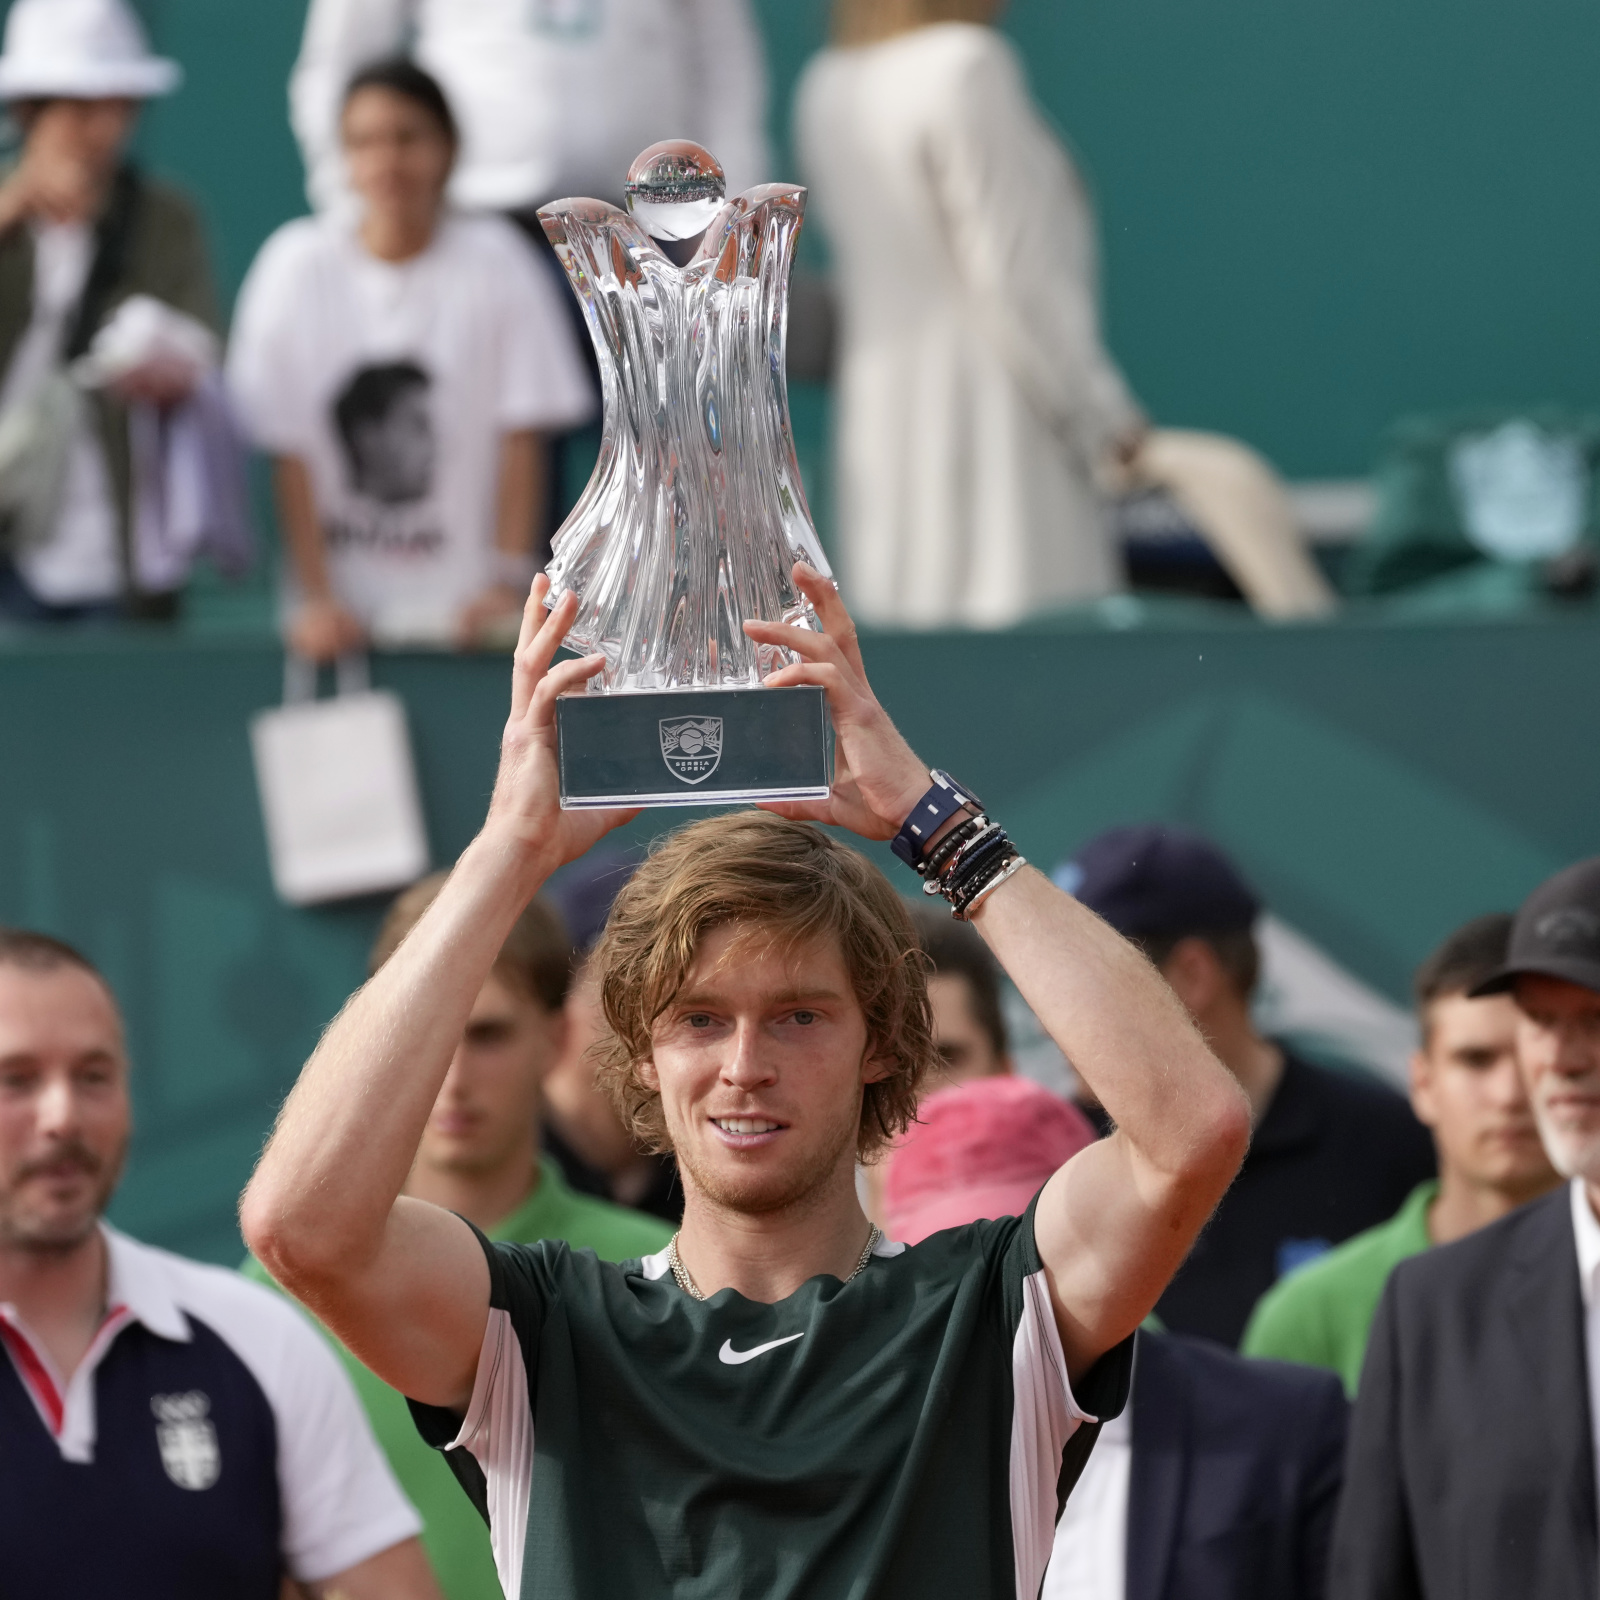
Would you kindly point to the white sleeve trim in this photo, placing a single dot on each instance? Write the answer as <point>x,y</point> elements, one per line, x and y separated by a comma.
<point>1044,1415</point>
<point>498,1431</point>
<point>341,1503</point>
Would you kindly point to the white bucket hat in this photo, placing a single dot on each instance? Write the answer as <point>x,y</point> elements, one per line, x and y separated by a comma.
<point>80,50</point>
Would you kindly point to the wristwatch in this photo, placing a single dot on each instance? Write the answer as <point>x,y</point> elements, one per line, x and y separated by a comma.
<point>929,814</point>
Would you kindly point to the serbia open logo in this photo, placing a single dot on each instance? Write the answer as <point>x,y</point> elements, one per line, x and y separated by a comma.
<point>187,1438</point>
<point>691,747</point>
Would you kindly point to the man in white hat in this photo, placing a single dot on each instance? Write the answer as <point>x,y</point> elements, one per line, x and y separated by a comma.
<point>82,233</point>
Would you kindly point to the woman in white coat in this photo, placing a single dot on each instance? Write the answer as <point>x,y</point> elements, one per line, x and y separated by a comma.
<point>980,421</point>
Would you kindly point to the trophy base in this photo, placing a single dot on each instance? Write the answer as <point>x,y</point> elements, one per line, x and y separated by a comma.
<point>693,747</point>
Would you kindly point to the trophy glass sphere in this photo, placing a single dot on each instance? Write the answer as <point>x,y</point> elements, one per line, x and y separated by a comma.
<point>695,514</point>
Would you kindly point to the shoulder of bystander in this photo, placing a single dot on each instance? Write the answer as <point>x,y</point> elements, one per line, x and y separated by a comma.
<point>1320,1315</point>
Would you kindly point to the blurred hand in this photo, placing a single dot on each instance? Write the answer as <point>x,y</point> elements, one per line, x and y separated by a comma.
<point>490,619</point>
<point>164,381</point>
<point>53,182</point>
<point>322,630</point>
<point>877,778</point>
<point>526,805</point>
<point>1120,471</point>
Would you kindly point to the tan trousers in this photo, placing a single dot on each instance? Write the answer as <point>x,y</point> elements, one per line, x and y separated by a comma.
<point>1238,503</point>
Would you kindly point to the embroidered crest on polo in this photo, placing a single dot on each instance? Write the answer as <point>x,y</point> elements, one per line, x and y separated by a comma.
<point>691,747</point>
<point>187,1439</point>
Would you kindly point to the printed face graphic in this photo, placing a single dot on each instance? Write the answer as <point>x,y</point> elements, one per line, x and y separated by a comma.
<point>385,424</point>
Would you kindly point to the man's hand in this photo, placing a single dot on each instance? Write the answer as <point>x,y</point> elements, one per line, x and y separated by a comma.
<point>322,630</point>
<point>49,186</point>
<point>163,381</point>
<point>526,807</point>
<point>877,778</point>
<point>489,618</point>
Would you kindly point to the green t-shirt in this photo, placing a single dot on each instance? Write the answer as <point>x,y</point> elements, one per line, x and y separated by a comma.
<point>1321,1314</point>
<point>453,1531</point>
<point>905,1434</point>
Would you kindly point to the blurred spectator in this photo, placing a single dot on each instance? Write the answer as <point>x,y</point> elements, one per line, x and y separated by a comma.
<point>582,1129</point>
<point>981,422</point>
<point>1332,1153</point>
<point>979,1149</point>
<point>1473,1445</point>
<point>556,96</point>
<point>167,1431</point>
<point>1465,1087</point>
<point>86,243</point>
<point>480,1158</point>
<point>401,368</point>
<point>969,1023</point>
<point>1219,1480</point>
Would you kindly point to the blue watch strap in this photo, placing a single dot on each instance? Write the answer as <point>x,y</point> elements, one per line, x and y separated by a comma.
<point>929,814</point>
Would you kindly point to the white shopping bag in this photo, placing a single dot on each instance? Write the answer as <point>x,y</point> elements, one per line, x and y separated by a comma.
<point>338,789</point>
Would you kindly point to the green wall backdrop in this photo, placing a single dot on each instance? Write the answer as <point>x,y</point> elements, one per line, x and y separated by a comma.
<point>1380,784</point>
<point>1316,216</point>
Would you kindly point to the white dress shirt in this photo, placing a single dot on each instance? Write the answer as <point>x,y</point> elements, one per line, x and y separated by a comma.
<point>1090,1558</point>
<point>554,97</point>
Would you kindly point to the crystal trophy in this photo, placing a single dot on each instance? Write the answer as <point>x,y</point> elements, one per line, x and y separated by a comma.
<point>695,513</point>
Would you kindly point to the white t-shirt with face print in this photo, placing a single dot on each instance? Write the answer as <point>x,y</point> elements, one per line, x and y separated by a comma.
<point>395,384</point>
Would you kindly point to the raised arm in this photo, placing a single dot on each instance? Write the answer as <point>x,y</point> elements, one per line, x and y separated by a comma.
<point>1115,1223</point>
<point>402,1283</point>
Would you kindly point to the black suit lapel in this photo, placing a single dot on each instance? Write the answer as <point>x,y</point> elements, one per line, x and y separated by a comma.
<point>1544,1307</point>
<point>1161,1426</point>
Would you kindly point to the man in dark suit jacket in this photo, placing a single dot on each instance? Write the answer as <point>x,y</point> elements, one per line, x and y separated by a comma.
<point>1471,1469</point>
<point>1228,1491</point>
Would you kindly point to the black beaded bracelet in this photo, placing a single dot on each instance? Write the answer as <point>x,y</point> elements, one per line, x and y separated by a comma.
<point>964,892</point>
<point>969,863</point>
<point>951,845</point>
<point>1013,863</point>
<point>956,844</point>
<point>993,844</point>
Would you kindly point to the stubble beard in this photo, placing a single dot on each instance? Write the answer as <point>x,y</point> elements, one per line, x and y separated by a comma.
<point>1572,1154</point>
<point>764,1193</point>
<point>41,1231</point>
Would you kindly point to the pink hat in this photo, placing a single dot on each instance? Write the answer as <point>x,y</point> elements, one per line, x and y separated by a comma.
<point>981,1149</point>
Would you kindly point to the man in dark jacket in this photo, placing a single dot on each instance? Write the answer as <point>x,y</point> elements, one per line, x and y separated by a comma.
<point>1472,1453</point>
<point>1331,1153</point>
<point>82,233</point>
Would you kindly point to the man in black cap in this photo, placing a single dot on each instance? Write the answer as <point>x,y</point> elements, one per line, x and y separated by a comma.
<point>1472,1450</point>
<point>1332,1154</point>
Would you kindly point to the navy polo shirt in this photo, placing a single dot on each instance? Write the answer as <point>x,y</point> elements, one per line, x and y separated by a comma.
<point>1332,1156</point>
<point>207,1444</point>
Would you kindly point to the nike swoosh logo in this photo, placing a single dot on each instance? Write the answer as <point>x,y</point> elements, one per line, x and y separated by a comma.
<point>736,1358</point>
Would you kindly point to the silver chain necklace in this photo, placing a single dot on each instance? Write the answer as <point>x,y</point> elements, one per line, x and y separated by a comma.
<point>692,1289</point>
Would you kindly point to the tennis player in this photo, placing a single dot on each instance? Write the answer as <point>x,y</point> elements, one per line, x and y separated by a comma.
<point>782,1403</point>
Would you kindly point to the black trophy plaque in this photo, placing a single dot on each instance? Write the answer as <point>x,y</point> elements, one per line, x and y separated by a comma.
<point>694,747</point>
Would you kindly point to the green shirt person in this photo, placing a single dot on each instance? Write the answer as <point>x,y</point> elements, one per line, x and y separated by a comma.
<point>1466,1087</point>
<point>479,1157</point>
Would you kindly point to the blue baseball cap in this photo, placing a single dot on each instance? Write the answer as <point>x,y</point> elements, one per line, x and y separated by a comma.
<point>584,892</point>
<point>1151,882</point>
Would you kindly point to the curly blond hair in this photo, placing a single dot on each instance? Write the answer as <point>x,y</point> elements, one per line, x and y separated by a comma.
<point>790,880</point>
